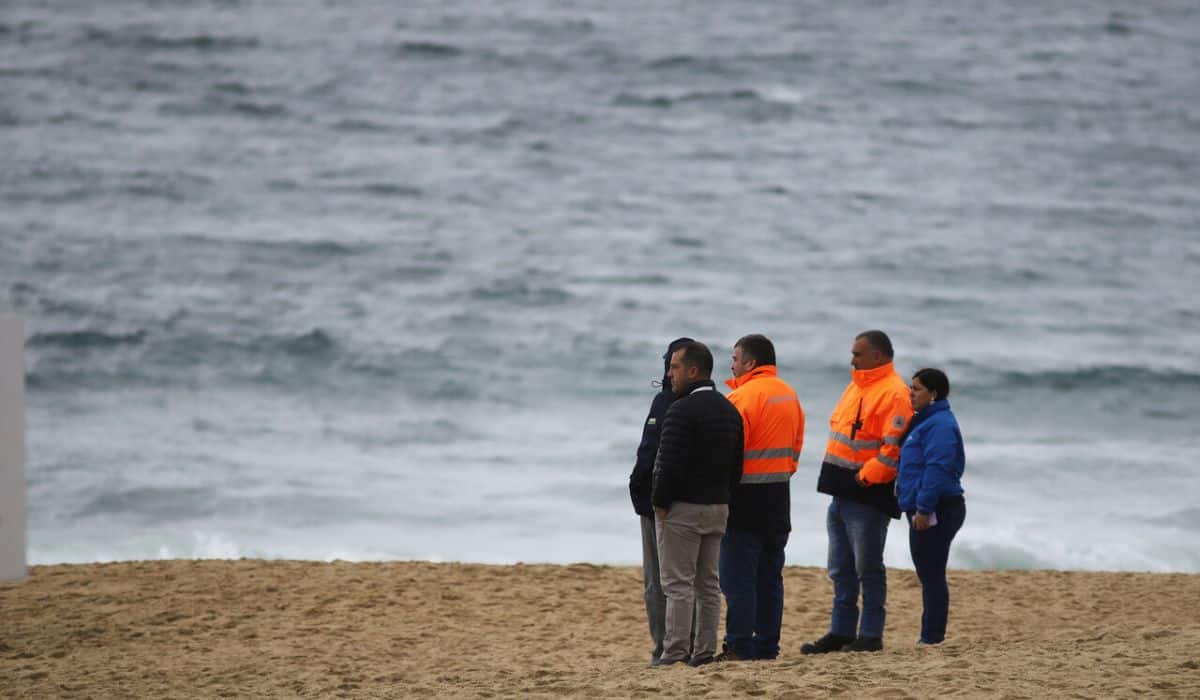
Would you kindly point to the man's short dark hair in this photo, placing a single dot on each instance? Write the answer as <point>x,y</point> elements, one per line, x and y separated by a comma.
<point>758,348</point>
<point>696,354</point>
<point>877,340</point>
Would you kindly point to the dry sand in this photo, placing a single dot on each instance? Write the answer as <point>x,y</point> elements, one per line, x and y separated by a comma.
<point>301,629</point>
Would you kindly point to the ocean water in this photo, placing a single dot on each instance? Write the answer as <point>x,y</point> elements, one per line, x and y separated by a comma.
<point>388,281</point>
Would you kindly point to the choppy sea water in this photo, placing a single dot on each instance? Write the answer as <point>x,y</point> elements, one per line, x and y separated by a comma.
<point>351,280</point>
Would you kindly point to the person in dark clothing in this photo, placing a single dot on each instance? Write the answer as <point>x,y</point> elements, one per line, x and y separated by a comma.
<point>698,465</point>
<point>639,493</point>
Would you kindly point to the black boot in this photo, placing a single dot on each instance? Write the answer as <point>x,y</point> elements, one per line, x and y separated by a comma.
<point>865,644</point>
<point>826,644</point>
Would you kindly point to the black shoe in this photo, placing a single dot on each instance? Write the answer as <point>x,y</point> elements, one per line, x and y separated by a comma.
<point>702,660</point>
<point>729,655</point>
<point>665,662</point>
<point>865,644</point>
<point>826,644</point>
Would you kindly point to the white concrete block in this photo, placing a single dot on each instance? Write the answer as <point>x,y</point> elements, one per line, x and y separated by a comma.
<point>12,446</point>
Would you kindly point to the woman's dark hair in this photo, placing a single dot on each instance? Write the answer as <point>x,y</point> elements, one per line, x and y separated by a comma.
<point>934,380</point>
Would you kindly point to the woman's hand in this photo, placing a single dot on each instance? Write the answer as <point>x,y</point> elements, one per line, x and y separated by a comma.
<point>920,521</point>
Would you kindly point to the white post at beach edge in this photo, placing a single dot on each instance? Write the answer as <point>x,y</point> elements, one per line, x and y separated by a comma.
<point>12,446</point>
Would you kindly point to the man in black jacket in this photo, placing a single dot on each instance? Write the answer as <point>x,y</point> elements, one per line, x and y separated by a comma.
<point>639,492</point>
<point>699,462</point>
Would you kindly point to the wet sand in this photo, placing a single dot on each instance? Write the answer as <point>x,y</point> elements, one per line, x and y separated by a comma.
<point>255,628</point>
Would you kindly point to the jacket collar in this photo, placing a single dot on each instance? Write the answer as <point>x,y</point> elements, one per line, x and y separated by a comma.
<point>867,377</point>
<point>698,385</point>
<point>924,414</point>
<point>935,407</point>
<point>760,371</point>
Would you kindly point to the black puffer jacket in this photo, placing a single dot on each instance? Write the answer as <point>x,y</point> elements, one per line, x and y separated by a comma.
<point>643,470</point>
<point>699,450</point>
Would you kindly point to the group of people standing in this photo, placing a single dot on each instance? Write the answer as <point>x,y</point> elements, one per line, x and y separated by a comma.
<point>712,487</point>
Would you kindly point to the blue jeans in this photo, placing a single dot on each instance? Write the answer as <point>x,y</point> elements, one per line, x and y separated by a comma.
<point>752,581</point>
<point>857,534</point>
<point>930,552</point>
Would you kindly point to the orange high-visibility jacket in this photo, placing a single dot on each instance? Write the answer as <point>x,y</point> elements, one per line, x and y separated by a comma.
<point>772,422</point>
<point>865,431</point>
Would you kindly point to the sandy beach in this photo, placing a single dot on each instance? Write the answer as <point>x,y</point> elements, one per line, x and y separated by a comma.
<point>253,628</point>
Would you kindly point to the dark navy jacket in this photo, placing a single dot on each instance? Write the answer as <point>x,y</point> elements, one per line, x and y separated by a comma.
<point>643,469</point>
<point>931,460</point>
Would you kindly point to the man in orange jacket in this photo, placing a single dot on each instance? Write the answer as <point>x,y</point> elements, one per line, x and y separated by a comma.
<point>760,509</point>
<point>859,469</point>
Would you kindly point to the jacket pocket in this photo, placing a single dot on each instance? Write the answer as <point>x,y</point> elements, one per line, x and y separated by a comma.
<point>836,481</point>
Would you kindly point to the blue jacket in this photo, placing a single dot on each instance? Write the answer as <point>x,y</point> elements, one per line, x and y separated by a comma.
<point>931,460</point>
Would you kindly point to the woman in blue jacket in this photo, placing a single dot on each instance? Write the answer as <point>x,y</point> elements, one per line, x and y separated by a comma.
<point>929,490</point>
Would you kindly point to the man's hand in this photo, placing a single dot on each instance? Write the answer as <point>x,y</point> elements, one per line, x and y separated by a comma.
<point>660,513</point>
<point>858,476</point>
<point>920,521</point>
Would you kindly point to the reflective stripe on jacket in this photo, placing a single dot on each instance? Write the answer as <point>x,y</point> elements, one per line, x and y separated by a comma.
<point>773,424</point>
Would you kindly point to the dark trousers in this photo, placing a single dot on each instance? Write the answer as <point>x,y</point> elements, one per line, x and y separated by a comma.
<point>930,552</point>
<point>752,581</point>
<point>652,591</point>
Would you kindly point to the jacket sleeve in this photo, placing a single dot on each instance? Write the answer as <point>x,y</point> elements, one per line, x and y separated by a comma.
<point>881,469</point>
<point>671,461</point>
<point>739,453</point>
<point>799,436</point>
<point>942,447</point>
<point>643,468</point>
<point>743,404</point>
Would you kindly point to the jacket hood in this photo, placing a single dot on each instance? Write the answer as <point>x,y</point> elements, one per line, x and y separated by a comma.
<point>675,345</point>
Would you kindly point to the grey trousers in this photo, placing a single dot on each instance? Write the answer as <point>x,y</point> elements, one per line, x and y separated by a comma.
<point>656,602</point>
<point>689,549</point>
